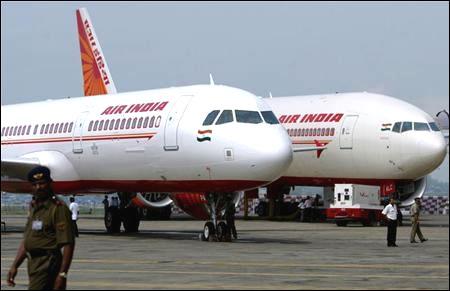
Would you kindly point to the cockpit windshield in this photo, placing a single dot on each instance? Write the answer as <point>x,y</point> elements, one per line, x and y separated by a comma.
<point>418,126</point>
<point>406,126</point>
<point>245,116</point>
<point>421,126</point>
<point>269,117</point>
<point>211,117</point>
<point>434,126</point>
<point>242,116</point>
<point>225,117</point>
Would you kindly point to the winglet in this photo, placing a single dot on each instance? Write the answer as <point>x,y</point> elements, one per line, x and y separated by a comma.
<point>96,75</point>
<point>211,80</point>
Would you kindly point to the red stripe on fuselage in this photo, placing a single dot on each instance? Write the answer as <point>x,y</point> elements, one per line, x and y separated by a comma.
<point>84,138</point>
<point>102,186</point>
<point>329,181</point>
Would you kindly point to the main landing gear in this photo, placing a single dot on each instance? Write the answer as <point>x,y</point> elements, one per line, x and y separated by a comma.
<point>215,230</point>
<point>122,212</point>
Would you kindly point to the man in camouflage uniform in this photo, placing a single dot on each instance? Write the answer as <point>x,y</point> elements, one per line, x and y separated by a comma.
<point>49,228</point>
<point>415,211</point>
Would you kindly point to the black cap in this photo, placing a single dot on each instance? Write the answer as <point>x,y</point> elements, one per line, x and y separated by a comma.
<point>39,173</point>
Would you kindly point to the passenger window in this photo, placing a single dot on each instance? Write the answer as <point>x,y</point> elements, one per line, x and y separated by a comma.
<point>406,126</point>
<point>246,116</point>
<point>225,117</point>
<point>397,127</point>
<point>421,126</point>
<point>269,117</point>
<point>211,117</point>
<point>106,124</point>
<point>434,126</point>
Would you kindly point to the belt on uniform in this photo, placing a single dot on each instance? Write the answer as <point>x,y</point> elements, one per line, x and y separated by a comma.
<point>41,253</point>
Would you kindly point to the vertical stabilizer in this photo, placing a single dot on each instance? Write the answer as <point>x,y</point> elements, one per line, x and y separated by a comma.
<point>96,76</point>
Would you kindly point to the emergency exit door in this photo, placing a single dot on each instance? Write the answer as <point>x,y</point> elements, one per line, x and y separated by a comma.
<point>346,134</point>
<point>171,134</point>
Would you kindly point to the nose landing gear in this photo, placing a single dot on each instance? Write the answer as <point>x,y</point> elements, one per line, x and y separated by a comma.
<point>215,230</point>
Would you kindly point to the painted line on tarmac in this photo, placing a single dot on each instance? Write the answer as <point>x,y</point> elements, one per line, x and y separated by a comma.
<point>171,286</point>
<point>246,274</point>
<point>255,264</point>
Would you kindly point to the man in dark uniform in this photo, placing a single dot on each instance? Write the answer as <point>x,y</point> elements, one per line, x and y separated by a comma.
<point>49,228</point>
<point>230,212</point>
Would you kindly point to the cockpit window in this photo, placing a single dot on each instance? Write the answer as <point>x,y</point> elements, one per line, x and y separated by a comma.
<point>434,126</point>
<point>245,116</point>
<point>421,126</point>
<point>269,117</point>
<point>407,125</point>
<point>397,127</point>
<point>225,117</point>
<point>211,117</point>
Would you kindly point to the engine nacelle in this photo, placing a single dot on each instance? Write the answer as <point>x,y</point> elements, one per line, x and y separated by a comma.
<point>151,200</point>
<point>411,190</point>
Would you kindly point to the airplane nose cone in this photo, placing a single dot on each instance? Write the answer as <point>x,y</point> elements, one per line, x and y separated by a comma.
<point>275,154</point>
<point>432,152</point>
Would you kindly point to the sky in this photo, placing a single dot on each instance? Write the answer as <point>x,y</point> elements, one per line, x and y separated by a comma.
<point>399,49</point>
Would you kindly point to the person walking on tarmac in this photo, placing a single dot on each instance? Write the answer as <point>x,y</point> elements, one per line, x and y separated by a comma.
<point>390,211</point>
<point>230,212</point>
<point>48,229</point>
<point>415,211</point>
<point>74,209</point>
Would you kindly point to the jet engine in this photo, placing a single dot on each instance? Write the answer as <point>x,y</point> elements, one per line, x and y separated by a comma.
<point>408,191</point>
<point>151,200</point>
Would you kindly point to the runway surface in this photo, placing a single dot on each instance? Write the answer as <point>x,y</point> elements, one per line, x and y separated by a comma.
<point>267,255</point>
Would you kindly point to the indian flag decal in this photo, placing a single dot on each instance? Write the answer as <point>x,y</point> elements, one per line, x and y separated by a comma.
<point>386,126</point>
<point>204,135</point>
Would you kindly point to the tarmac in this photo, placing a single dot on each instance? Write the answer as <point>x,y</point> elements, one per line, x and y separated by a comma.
<point>267,255</point>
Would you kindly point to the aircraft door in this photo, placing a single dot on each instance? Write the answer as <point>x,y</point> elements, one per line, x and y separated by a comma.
<point>346,134</point>
<point>77,136</point>
<point>173,122</point>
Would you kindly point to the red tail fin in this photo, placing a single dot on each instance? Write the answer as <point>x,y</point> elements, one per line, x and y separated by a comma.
<point>96,75</point>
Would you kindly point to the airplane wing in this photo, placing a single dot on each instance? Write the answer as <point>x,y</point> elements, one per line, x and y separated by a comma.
<point>17,168</point>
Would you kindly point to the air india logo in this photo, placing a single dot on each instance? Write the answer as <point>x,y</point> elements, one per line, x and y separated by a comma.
<point>95,77</point>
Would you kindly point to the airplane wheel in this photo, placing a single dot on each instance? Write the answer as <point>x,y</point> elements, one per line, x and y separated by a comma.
<point>209,231</point>
<point>222,231</point>
<point>341,223</point>
<point>131,219</point>
<point>112,221</point>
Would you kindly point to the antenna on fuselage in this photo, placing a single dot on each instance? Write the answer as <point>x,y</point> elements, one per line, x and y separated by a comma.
<point>211,80</point>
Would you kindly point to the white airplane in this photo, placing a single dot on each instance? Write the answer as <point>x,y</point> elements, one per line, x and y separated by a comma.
<point>156,140</point>
<point>359,138</point>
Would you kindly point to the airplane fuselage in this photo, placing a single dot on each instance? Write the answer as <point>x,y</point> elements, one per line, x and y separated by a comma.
<point>146,141</point>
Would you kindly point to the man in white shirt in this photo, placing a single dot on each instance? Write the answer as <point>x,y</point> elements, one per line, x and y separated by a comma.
<point>390,211</point>
<point>74,208</point>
